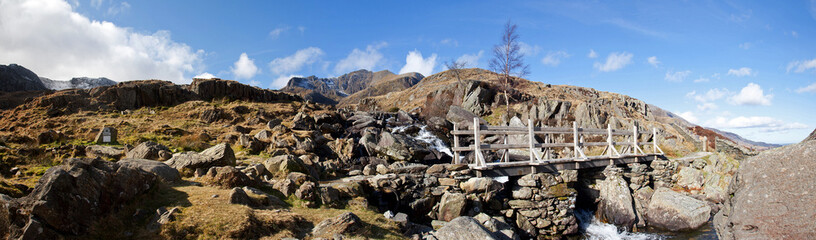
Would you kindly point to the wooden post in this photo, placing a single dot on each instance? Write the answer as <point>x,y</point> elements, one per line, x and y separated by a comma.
<point>477,153</point>
<point>575,140</point>
<point>654,140</point>
<point>531,138</point>
<point>456,159</point>
<point>609,139</point>
<point>634,138</point>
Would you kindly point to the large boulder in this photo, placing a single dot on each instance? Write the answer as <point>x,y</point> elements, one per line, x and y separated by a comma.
<point>674,211</point>
<point>615,200</point>
<point>346,223</point>
<point>164,172</point>
<point>464,228</point>
<point>149,150</point>
<point>69,198</point>
<point>226,177</point>
<point>399,147</point>
<point>218,155</point>
<point>285,164</point>
<point>451,206</point>
<point>772,196</point>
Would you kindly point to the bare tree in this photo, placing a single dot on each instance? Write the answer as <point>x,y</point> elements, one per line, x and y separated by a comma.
<point>456,66</point>
<point>508,60</point>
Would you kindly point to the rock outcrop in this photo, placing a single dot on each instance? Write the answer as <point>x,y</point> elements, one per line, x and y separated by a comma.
<point>70,198</point>
<point>346,223</point>
<point>464,228</point>
<point>218,155</point>
<point>773,196</point>
<point>150,150</point>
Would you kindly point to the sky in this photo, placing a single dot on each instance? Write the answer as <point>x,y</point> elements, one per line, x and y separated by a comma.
<point>747,67</point>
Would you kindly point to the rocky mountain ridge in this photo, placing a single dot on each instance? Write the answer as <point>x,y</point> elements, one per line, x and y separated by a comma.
<point>15,78</point>
<point>332,90</point>
<point>77,82</point>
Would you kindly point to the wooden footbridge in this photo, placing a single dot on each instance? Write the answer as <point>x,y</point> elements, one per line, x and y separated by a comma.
<point>542,156</point>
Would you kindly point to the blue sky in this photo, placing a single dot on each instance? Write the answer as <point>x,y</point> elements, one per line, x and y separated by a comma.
<point>746,67</point>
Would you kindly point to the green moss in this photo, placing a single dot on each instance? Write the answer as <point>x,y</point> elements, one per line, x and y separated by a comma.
<point>8,189</point>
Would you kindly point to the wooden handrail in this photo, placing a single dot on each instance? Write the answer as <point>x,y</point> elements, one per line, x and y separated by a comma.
<point>630,147</point>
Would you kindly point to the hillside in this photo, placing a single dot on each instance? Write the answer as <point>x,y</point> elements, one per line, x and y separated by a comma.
<point>332,90</point>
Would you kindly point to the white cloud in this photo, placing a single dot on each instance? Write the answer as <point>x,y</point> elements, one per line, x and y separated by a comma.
<point>359,59</point>
<point>448,41</point>
<point>741,72</point>
<point>752,94</point>
<point>592,54</point>
<point>244,68</point>
<point>689,116</point>
<point>711,95</point>
<point>295,62</point>
<point>801,66</point>
<point>275,33</point>
<point>471,59</point>
<point>809,88</point>
<point>51,39</point>
<point>677,76</point>
<point>529,50</point>
<point>415,63</point>
<point>706,106</point>
<point>116,9</point>
<point>614,62</point>
<point>762,123</point>
<point>701,79</point>
<point>205,75</point>
<point>554,58</point>
<point>653,61</point>
<point>282,80</point>
<point>96,3</point>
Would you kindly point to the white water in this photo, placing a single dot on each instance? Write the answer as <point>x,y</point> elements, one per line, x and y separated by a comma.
<point>596,230</point>
<point>426,136</point>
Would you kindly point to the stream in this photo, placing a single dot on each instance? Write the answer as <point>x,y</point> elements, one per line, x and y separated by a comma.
<point>592,229</point>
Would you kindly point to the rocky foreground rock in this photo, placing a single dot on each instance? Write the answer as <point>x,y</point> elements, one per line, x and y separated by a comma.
<point>773,196</point>
<point>71,197</point>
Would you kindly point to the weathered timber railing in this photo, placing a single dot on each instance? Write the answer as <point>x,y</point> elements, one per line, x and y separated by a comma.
<point>630,148</point>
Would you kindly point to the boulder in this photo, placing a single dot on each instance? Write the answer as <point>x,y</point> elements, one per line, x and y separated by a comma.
<point>238,196</point>
<point>148,150</point>
<point>285,164</point>
<point>462,117</point>
<point>451,206</point>
<point>307,191</point>
<point>273,123</point>
<point>303,121</point>
<point>263,135</point>
<point>226,177</point>
<point>772,196</point>
<point>213,114</point>
<point>343,148</point>
<point>399,147</point>
<point>106,152</point>
<point>218,155</point>
<point>329,196</point>
<point>616,201</point>
<point>49,136</point>
<point>70,197</point>
<point>690,178</point>
<point>286,187</point>
<point>164,172</point>
<point>674,211</point>
<point>481,185</point>
<point>464,228</point>
<point>346,223</point>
